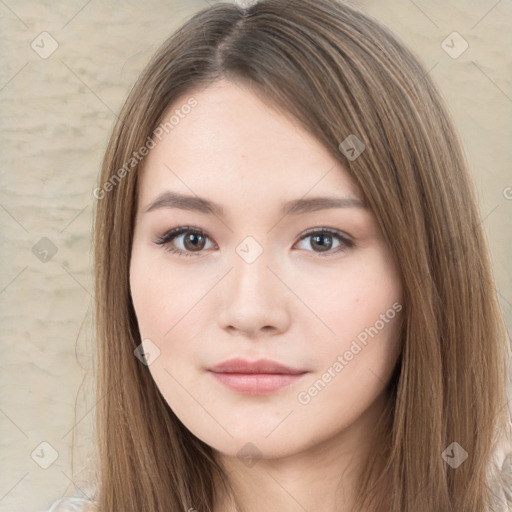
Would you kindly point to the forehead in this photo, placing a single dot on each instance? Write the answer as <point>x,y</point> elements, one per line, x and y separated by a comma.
<point>234,146</point>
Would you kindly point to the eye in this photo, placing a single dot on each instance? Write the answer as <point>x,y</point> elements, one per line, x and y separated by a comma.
<point>193,240</point>
<point>323,238</point>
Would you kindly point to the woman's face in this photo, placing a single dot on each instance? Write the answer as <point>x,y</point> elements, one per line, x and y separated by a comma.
<point>265,269</point>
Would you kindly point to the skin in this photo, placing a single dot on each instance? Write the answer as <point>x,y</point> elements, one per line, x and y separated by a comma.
<point>293,304</point>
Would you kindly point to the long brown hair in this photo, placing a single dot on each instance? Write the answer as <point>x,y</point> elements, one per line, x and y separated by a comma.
<point>339,73</point>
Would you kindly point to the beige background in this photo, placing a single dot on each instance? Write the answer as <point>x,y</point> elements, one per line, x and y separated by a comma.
<point>57,113</point>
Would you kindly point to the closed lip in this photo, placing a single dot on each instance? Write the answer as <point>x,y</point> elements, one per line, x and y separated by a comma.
<point>261,366</point>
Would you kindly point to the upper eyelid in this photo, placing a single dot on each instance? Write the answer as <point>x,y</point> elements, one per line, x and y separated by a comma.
<point>181,230</point>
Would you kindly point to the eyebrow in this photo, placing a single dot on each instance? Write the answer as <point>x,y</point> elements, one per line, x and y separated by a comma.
<point>169,199</point>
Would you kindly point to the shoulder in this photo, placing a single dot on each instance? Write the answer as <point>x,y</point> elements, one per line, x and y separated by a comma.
<point>501,478</point>
<point>506,472</point>
<point>70,504</point>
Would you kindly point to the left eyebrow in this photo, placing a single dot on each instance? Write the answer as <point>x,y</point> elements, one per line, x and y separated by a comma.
<point>313,204</point>
<point>171,199</point>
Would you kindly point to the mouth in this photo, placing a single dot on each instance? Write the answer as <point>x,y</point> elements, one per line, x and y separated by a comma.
<point>257,383</point>
<point>255,378</point>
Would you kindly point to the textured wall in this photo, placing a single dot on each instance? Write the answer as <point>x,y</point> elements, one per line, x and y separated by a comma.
<point>57,111</point>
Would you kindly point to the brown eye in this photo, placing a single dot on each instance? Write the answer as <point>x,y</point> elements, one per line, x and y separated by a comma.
<point>193,240</point>
<point>323,240</point>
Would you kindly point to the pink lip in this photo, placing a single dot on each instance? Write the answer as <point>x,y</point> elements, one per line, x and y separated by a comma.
<point>255,378</point>
<point>239,365</point>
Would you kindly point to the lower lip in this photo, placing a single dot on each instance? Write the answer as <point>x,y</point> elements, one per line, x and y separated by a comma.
<point>257,383</point>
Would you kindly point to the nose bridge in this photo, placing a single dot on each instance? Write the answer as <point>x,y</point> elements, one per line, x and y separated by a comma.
<point>251,274</point>
<point>254,297</point>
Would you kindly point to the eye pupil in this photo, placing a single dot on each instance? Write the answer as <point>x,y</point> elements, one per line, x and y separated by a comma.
<point>317,240</point>
<point>195,239</point>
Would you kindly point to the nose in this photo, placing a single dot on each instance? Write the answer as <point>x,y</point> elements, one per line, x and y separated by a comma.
<point>254,299</point>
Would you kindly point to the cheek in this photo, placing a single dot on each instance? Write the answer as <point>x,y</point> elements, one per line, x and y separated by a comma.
<point>168,305</point>
<point>160,298</point>
<point>147,298</point>
<point>361,315</point>
<point>365,308</point>
<point>365,293</point>
<point>354,362</point>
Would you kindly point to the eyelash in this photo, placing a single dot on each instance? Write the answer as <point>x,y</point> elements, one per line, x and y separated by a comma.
<point>167,237</point>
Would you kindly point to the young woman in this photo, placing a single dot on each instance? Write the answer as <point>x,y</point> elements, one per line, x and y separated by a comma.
<point>295,306</point>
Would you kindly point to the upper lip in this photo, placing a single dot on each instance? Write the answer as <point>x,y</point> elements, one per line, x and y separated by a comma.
<point>238,365</point>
